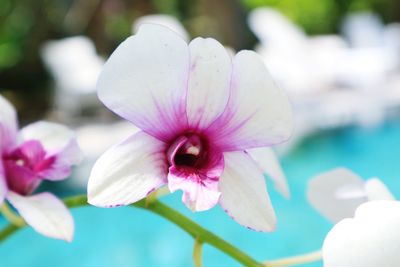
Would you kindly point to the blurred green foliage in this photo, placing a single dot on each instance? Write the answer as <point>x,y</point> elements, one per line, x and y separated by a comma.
<point>324,16</point>
<point>25,25</point>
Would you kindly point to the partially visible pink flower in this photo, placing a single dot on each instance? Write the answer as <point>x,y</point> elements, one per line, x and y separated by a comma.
<point>39,151</point>
<point>201,113</point>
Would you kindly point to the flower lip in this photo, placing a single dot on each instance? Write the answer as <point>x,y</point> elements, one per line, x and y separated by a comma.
<point>189,151</point>
<point>23,165</point>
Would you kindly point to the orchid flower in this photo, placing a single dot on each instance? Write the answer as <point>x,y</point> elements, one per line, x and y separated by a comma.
<point>201,115</point>
<point>39,151</point>
<point>337,193</point>
<point>370,239</point>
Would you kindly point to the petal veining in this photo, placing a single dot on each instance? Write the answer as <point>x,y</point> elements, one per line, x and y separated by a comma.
<point>128,171</point>
<point>200,190</point>
<point>209,82</point>
<point>258,113</point>
<point>145,81</point>
<point>244,193</point>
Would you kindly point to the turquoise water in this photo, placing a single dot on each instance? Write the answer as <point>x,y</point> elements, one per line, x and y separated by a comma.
<point>132,237</point>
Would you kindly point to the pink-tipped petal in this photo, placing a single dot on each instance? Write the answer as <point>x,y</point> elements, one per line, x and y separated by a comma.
<point>269,164</point>
<point>244,193</point>
<point>8,125</point>
<point>199,192</point>
<point>59,142</point>
<point>61,167</point>
<point>128,171</point>
<point>258,113</point>
<point>54,137</point>
<point>45,213</point>
<point>145,81</point>
<point>336,194</point>
<point>209,82</point>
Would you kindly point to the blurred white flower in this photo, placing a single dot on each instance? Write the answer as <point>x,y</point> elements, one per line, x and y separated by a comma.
<point>336,194</point>
<point>370,239</point>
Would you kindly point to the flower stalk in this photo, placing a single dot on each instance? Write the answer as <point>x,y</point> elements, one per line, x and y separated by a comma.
<point>197,253</point>
<point>296,260</point>
<point>11,216</point>
<point>199,234</point>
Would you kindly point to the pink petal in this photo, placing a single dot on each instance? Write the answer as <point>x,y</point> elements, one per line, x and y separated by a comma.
<point>258,113</point>
<point>128,172</point>
<point>244,193</point>
<point>336,194</point>
<point>59,142</point>
<point>22,167</point>
<point>45,213</point>
<point>54,137</point>
<point>209,82</point>
<point>61,167</point>
<point>8,125</point>
<point>145,81</point>
<point>199,191</point>
<point>21,179</point>
<point>269,164</point>
<point>199,185</point>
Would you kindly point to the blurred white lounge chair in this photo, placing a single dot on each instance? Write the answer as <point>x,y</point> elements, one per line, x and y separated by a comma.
<point>75,66</point>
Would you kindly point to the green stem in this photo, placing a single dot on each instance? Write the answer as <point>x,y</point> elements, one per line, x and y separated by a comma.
<point>8,231</point>
<point>197,253</point>
<point>296,260</point>
<point>196,231</point>
<point>11,216</point>
<point>200,234</point>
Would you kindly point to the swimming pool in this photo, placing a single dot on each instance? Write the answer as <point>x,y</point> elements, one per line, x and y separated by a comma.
<point>131,237</point>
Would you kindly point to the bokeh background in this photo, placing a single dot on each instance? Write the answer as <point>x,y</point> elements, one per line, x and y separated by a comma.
<point>338,60</point>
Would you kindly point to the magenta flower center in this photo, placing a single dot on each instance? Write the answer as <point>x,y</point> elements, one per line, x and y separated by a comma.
<point>188,151</point>
<point>23,166</point>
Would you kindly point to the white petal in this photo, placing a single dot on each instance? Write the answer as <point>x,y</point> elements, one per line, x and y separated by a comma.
<point>3,185</point>
<point>371,239</point>
<point>128,172</point>
<point>377,190</point>
<point>244,193</point>
<point>162,19</point>
<point>258,113</point>
<point>269,164</point>
<point>209,81</point>
<point>45,213</point>
<point>336,194</point>
<point>54,137</point>
<point>8,125</point>
<point>145,81</point>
